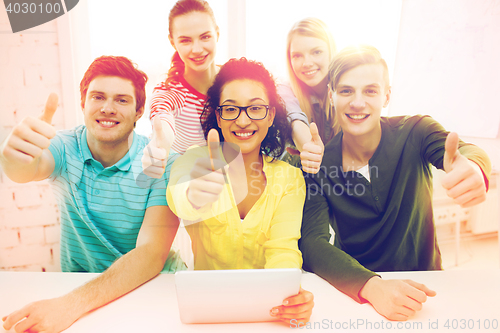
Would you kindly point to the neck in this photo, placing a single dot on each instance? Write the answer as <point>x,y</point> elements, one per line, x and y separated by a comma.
<point>360,148</point>
<point>108,153</point>
<point>201,81</point>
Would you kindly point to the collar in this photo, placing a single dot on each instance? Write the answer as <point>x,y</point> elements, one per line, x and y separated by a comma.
<point>124,164</point>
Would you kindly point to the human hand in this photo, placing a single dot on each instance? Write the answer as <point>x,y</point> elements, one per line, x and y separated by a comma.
<point>395,299</point>
<point>296,310</point>
<point>312,151</point>
<point>50,315</point>
<point>155,154</point>
<point>464,181</point>
<point>207,180</point>
<point>31,136</point>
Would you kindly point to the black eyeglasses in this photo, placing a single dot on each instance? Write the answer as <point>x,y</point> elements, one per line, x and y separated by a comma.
<point>232,112</point>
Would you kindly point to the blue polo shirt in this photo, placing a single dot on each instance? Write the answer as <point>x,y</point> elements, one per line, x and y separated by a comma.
<point>102,209</point>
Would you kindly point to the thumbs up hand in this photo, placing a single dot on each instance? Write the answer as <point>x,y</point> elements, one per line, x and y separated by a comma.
<point>464,179</point>
<point>207,179</point>
<point>28,139</point>
<point>312,152</point>
<point>155,154</point>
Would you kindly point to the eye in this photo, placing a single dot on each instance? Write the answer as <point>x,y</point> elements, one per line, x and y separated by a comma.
<point>184,41</point>
<point>97,97</point>
<point>122,101</point>
<point>372,91</point>
<point>296,56</point>
<point>256,108</point>
<point>317,52</point>
<point>230,109</point>
<point>344,91</point>
<point>206,37</point>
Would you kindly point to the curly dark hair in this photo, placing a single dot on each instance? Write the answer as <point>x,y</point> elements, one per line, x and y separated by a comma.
<point>240,69</point>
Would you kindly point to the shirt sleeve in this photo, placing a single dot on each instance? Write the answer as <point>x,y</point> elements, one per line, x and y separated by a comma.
<point>56,148</point>
<point>433,137</point>
<point>281,249</point>
<point>292,104</point>
<point>164,104</point>
<point>322,258</point>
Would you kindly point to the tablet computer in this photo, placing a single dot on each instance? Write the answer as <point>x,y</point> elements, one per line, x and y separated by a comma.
<point>229,296</point>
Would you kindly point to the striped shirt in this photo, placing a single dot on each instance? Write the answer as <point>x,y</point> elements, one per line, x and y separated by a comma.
<point>181,106</point>
<point>102,209</point>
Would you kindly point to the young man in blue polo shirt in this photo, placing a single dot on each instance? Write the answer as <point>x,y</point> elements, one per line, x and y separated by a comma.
<point>114,219</point>
<point>375,189</point>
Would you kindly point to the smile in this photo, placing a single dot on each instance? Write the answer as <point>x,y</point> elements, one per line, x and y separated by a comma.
<point>244,134</point>
<point>199,59</point>
<point>309,73</point>
<point>355,116</point>
<point>107,123</point>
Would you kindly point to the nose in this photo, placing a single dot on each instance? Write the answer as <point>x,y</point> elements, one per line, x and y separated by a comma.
<point>307,61</point>
<point>243,120</point>
<point>197,47</point>
<point>108,108</point>
<point>358,102</point>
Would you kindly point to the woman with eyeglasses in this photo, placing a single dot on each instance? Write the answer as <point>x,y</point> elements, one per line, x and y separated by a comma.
<point>245,206</point>
<point>310,48</point>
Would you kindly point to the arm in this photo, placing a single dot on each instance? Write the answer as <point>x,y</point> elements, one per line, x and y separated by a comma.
<point>24,155</point>
<point>127,273</point>
<point>467,166</point>
<point>155,154</point>
<point>394,299</point>
<point>320,257</point>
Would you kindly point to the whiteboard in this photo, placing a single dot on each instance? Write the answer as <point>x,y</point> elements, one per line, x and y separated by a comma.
<point>448,64</point>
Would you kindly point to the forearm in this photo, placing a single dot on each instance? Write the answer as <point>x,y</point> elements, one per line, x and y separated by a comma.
<point>334,265</point>
<point>127,273</point>
<point>301,134</point>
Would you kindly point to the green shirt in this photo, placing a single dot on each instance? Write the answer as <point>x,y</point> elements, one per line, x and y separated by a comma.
<point>383,225</point>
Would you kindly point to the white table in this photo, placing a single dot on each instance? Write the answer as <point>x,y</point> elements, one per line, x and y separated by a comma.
<point>464,298</point>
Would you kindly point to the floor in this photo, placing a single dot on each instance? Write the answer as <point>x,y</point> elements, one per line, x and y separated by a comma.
<point>475,252</point>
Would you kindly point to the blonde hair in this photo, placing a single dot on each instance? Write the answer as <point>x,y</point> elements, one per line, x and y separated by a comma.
<point>311,27</point>
<point>354,56</point>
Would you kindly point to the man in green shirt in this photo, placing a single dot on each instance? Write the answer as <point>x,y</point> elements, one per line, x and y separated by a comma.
<point>375,189</point>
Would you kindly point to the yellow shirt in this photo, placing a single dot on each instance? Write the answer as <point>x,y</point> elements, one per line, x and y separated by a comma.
<point>268,235</point>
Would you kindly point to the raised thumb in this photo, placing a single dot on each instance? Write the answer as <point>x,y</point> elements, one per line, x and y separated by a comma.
<point>315,134</point>
<point>160,136</point>
<point>450,150</point>
<point>213,145</point>
<point>50,108</point>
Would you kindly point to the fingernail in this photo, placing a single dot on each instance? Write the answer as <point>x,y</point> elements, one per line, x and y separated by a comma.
<point>285,302</point>
<point>275,310</point>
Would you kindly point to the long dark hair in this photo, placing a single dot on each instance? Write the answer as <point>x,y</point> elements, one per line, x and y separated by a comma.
<point>183,7</point>
<point>240,69</point>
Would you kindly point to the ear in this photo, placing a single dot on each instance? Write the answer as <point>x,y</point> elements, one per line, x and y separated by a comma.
<point>387,97</point>
<point>217,30</point>
<point>270,118</point>
<point>330,93</point>
<point>139,113</point>
<point>217,116</point>
<point>171,40</point>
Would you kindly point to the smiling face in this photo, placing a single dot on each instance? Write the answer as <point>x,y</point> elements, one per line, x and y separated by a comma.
<point>309,57</point>
<point>359,97</point>
<point>194,37</point>
<point>248,134</point>
<point>110,110</point>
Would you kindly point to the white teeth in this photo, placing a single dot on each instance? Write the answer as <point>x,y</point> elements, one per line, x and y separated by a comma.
<point>199,59</point>
<point>310,72</point>
<point>357,116</point>
<point>246,134</point>
<point>107,123</point>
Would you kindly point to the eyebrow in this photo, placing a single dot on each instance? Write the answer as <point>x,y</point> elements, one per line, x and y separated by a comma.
<point>371,85</point>
<point>102,93</point>
<point>205,33</point>
<point>252,100</point>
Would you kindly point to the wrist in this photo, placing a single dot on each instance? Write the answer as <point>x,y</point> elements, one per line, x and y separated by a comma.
<point>365,291</point>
